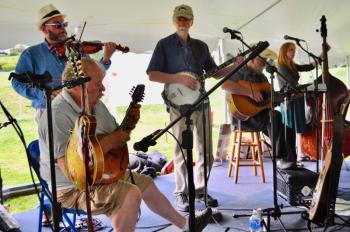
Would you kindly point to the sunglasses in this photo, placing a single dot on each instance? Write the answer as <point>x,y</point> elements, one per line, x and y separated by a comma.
<point>57,25</point>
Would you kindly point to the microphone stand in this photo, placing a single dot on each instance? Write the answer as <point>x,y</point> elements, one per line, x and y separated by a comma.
<point>43,85</point>
<point>316,100</point>
<point>187,135</point>
<point>1,193</point>
<point>274,211</point>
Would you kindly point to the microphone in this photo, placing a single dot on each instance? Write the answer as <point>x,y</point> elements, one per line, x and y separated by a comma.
<point>75,82</point>
<point>32,79</point>
<point>231,31</point>
<point>286,37</point>
<point>260,47</point>
<point>147,141</point>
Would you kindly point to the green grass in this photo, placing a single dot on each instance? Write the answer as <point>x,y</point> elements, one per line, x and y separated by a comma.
<point>13,161</point>
<point>14,165</point>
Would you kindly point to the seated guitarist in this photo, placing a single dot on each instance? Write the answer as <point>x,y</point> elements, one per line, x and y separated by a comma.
<point>120,200</point>
<point>252,72</point>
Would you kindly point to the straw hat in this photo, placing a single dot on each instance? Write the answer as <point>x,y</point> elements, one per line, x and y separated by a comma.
<point>46,13</point>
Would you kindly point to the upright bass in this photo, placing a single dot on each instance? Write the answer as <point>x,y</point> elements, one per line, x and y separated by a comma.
<point>336,100</point>
<point>325,192</point>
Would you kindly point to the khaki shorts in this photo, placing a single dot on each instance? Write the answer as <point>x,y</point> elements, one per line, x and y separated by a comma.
<point>106,198</point>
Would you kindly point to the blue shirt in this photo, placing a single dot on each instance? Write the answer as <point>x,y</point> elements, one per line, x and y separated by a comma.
<point>36,60</point>
<point>172,56</point>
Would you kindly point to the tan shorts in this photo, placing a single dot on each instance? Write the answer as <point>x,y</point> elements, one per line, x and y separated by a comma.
<point>107,198</point>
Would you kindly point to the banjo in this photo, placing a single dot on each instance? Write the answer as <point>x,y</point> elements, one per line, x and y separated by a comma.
<point>176,95</point>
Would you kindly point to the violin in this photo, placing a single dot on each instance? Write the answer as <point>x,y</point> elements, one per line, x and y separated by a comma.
<point>91,47</point>
<point>86,47</point>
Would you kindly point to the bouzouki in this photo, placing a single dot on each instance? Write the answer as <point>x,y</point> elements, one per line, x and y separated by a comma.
<point>117,160</point>
<point>110,167</point>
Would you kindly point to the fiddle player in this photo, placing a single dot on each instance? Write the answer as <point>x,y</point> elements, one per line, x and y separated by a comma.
<point>45,56</point>
<point>173,54</point>
<point>120,200</point>
<point>253,73</point>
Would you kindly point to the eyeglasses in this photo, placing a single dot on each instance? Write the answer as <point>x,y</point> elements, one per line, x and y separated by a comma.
<point>57,25</point>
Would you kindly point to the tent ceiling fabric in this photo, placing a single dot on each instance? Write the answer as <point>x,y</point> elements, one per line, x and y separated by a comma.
<point>140,24</point>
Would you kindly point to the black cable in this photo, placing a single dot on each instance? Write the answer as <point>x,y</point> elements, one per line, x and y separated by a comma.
<point>178,144</point>
<point>20,134</point>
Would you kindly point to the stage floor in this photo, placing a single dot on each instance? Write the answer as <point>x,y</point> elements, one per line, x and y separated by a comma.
<point>241,198</point>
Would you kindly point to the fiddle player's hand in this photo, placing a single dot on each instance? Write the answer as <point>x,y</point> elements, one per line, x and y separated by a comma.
<point>109,49</point>
<point>188,81</point>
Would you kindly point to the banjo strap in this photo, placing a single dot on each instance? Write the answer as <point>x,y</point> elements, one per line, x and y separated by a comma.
<point>196,51</point>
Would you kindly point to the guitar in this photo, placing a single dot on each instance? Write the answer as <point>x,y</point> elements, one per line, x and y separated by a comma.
<point>116,161</point>
<point>243,107</point>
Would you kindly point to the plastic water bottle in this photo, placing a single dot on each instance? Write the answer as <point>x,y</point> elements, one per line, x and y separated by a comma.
<point>255,221</point>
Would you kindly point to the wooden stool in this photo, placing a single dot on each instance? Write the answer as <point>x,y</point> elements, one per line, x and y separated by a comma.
<point>237,161</point>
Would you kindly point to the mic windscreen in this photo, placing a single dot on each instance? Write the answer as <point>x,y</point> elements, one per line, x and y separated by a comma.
<point>286,37</point>
<point>225,29</point>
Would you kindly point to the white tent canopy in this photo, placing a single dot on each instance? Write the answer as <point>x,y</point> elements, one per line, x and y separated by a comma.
<point>140,24</point>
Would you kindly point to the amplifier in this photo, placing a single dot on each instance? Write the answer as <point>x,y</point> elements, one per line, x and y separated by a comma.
<point>294,186</point>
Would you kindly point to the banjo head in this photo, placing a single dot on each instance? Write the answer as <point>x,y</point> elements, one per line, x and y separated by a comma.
<point>176,94</point>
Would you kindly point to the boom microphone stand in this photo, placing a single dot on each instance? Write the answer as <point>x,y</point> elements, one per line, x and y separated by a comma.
<point>41,82</point>
<point>316,100</point>
<point>187,140</point>
<point>274,211</point>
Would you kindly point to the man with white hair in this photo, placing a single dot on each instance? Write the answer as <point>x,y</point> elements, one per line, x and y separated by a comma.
<point>119,200</point>
<point>46,56</point>
<point>174,55</point>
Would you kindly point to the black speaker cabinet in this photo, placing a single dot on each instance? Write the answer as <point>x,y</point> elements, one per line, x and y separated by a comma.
<point>296,185</point>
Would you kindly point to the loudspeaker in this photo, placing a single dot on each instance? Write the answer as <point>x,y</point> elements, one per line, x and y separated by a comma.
<point>295,186</point>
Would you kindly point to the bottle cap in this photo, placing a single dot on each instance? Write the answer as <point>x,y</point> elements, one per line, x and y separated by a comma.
<point>259,212</point>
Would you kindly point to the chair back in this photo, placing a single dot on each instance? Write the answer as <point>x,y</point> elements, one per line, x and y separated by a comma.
<point>34,155</point>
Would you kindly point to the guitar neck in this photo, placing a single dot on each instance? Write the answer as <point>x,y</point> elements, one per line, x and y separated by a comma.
<point>125,124</point>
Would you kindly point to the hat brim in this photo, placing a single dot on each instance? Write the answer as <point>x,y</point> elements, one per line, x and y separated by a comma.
<point>187,16</point>
<point>42,21</point>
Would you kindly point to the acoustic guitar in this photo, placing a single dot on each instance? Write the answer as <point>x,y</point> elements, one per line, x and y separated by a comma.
<point>243,107</point>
